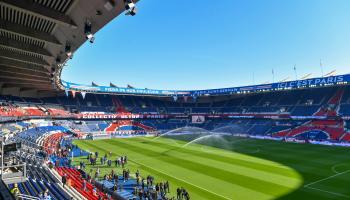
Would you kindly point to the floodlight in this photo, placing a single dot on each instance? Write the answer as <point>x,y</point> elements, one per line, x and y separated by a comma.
<point>88,32</point>
<point>129,4</point>
<point>130,7</point>
<point>132,12</point>
<point>68,51</point>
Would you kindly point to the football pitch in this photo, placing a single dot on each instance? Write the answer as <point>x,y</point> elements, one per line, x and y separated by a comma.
<point>234,168</point>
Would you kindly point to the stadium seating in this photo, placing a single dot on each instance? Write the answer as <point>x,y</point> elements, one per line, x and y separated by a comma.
<point>316,114</point>
<point>127,125</point>
<point>52,142</point>
<point>306,102</point>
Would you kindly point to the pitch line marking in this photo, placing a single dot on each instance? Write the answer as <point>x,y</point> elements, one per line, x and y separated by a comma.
<point>334,193</point>
<point>334,167</point>
<point>327,178</point>
<point>183,180</point>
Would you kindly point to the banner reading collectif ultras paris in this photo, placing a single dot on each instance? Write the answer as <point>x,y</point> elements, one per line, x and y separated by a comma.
<point>313,82</point>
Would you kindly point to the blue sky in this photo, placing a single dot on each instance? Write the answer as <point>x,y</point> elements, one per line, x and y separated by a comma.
<point>202,44</point>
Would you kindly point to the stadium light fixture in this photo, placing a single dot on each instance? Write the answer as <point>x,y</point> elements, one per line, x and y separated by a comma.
<point>68,50</point>
<point>88,32</point>
<point>132,12</point>
<point>130,6</point>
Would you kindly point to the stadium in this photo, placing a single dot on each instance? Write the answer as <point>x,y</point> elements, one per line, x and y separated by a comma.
<point>63,140</point>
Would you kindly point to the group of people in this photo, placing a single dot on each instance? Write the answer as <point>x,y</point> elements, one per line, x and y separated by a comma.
<point>66,181</point>
<point>126,174</point>
<point>162,188</point>
<point>82,165</point>
<point>45,195</point>
<point>182,194</point>
<point>119,161</point>
<point>148,190</point>
<point>145,194</point>
<point>92,159</point>
<point>145,187</point>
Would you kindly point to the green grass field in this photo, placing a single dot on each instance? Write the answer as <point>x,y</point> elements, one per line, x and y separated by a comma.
<point>238,168</point>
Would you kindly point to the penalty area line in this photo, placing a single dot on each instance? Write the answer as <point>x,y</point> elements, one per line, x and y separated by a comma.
<point>325,191</point>
<point>338,174</point>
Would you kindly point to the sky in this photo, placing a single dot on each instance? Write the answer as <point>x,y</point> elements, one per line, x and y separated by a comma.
<point>202,44</point>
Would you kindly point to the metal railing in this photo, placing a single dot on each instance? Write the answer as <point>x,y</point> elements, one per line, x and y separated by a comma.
<point>26,197</point>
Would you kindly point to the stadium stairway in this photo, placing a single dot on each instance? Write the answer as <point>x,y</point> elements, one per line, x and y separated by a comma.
<point>38,182</point>
<point>113,127</point>
<point>41,179</point>
<point>77,183</point>
<point>333,105</point>
<point>346,137</point>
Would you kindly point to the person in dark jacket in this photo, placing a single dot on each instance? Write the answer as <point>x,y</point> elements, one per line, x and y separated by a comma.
<point>178,193</point>
<point>64,180</point>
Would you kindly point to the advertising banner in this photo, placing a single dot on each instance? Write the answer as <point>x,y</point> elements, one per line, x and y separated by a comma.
<point>198,119</point>
<point>313,82</point>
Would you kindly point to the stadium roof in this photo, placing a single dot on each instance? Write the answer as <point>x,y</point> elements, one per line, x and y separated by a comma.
<point>37,35</point>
